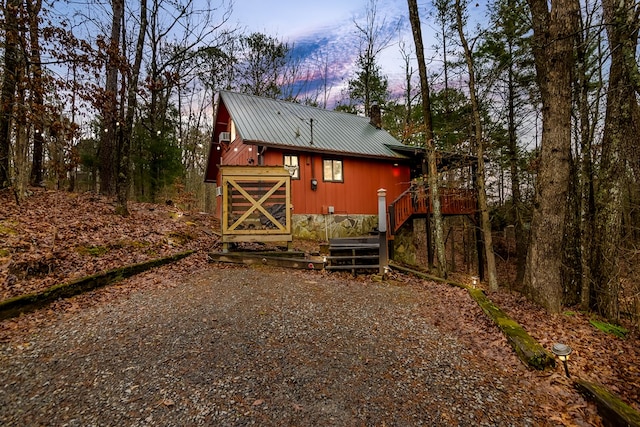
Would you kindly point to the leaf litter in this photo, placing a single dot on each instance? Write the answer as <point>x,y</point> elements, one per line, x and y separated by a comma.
<point>282,371</point>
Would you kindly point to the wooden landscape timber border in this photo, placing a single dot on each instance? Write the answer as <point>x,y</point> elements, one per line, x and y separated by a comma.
<point>528,350</point>
<point>276,259</point>
<point>15,306</point>
<point>610,407</point>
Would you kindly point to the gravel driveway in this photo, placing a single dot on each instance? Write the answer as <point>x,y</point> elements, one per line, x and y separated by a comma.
<point>235,346</point>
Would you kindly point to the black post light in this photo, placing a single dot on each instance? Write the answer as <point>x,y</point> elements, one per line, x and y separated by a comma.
<point>562,351</point>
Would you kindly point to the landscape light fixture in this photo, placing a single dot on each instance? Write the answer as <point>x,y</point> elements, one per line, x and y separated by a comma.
<point>562,351</point>
<point>474,281</point>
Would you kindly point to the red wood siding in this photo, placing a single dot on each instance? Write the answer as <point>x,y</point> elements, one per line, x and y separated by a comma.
<point>239,154</point>
<point>356,195</point>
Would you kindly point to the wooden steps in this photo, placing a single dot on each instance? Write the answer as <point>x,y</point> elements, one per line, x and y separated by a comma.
<point>353,253</point>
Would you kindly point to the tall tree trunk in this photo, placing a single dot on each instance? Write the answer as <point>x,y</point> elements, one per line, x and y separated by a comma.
<point>516,194</point>
<point>124,175</point>
<point>108,141</point>
<point>478,135</point>
<point>586,188</point>
<point>7,94</point>
<point>37,91</point>
<point>621,21</point>
<point>432,169</point>
<point>20,158</point>
<point>553,36</point>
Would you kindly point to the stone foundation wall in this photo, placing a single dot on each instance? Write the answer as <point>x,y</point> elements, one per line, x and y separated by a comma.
<point>323,227</point>
<point>410,243</point>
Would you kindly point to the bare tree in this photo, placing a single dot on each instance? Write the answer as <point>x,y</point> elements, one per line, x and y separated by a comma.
<point>445,15</point>
<point>126,132</point>
<point>479,142</point>
<point>370,86</point>
<point>108,137</point>
<point>430,168</point>
<point>8,91</point>
<point>588,95</point>
<point>410,92</point>
<point>622,20</point>
<point>37,90</point>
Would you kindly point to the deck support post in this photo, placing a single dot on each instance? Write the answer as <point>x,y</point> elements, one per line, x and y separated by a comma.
<point>383,261</point>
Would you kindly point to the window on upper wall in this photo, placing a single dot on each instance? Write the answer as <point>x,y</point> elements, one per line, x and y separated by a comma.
<point>332,170</point>
<point>292,164</point>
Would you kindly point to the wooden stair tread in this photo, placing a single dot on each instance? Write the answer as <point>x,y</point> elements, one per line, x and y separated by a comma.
<point>352,267</point>
<point>343,246</point>
<point>345,257</point>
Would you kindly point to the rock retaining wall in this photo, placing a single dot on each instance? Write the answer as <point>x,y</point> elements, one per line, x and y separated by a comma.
<point>324,227</point>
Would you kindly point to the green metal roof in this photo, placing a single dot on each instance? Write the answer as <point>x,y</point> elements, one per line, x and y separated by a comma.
<point>272,122</point>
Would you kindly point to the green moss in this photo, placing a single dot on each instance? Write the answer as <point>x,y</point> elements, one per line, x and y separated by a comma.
<point>4,253</point>
<point>6,229</point>
<point>179,238</point>
<point>608,328</point>
<point>92,250</point>
<point>527,349</point>
<point>134,244</point>
<point>610,406</point>
<point>505,322</point>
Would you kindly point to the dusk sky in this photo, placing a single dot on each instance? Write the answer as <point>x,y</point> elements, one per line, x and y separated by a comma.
<point>328,27</point>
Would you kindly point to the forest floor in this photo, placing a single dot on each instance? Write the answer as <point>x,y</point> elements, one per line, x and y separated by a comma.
<point>53,237</point>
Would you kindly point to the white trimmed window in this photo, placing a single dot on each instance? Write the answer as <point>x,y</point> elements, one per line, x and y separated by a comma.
<point>292,164</point>
<point>332,170</point>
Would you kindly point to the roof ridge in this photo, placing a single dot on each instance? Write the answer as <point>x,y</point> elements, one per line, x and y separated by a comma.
<point>292,103</point>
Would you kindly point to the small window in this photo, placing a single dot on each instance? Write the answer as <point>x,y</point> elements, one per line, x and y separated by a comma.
<point>332,170</point>
<point>292,165</point>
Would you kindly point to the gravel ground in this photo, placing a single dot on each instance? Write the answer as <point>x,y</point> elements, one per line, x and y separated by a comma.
<point>235,346</point>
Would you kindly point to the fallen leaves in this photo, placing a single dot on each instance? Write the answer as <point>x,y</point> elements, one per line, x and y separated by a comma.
<point>166,402</point>
<point>56,236</point>
<point>42,241</point>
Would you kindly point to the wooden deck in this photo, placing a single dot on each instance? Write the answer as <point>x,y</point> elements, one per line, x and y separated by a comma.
<point>417,202</point>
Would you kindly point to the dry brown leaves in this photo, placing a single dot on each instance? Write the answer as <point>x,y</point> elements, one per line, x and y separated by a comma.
<point>56,236</point>
<point>596,357</point>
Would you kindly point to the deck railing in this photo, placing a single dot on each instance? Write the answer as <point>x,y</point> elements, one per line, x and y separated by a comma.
<point>417,201</point>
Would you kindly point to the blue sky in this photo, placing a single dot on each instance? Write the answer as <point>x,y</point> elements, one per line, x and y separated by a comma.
<point>327,26</point>
<point>292,19</point>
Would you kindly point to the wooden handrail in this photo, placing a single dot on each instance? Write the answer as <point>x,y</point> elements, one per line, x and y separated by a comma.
<point>417,201</point>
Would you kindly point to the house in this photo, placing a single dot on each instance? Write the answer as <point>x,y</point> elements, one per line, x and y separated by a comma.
<point>337,161</point>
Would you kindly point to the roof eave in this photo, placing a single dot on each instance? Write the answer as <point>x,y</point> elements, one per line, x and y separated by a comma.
<point>312,149</point>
